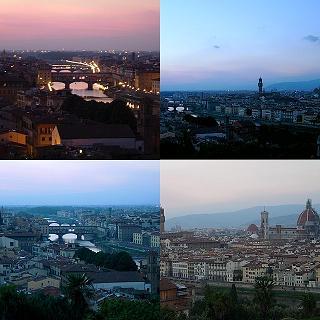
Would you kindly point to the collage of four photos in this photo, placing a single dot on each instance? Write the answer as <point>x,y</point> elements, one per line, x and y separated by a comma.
<point>159,160</point>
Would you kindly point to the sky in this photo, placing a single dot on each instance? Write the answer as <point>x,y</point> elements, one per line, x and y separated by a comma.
<point>79,182</point>
<point>213,186</point>
<point>80,24</point>
<point>229,44</point>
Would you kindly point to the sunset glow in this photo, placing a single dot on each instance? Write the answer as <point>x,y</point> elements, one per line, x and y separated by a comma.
<point>100,24</point>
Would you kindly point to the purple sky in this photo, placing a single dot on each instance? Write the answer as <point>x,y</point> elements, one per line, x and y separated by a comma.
<point>209,186</point>
<point>80,24</point>
<point>79,182</point>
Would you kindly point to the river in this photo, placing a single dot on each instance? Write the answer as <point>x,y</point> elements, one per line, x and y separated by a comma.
<point>72,238</point>
<point>81,89</point>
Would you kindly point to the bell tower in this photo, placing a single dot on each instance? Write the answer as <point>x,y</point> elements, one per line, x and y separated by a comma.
<point>264,228</point>
<point>162,220</point>
<point>260,86</point>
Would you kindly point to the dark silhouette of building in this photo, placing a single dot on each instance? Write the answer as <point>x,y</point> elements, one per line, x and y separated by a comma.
<point>162,220</point>
<point>260,85</point>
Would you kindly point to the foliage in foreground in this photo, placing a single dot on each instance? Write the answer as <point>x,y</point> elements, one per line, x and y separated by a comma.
<point>220,304</point>
<point>121,261</point>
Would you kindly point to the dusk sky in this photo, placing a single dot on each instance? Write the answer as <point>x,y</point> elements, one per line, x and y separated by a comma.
<point>209,186</point>
<point>218,45</point>
<point>79,182</point>
<point>80,24</point>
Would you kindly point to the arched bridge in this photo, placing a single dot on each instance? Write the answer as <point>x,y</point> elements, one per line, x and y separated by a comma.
<point>78,230</point>
<point>90,78</point>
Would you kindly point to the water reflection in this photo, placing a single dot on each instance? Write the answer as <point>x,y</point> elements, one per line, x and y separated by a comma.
<point>81,89</point>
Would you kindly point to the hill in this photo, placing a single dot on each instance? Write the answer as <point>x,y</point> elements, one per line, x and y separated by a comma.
<point>292,86</point>
<point>283,214</point>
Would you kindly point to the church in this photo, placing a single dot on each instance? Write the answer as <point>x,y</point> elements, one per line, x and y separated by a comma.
<point>308,226</point>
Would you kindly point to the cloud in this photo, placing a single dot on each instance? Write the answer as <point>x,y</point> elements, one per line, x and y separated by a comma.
<point>312,38</point>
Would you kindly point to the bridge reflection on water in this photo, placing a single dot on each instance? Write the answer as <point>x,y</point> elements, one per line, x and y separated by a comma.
<point>72,238</point>
<point>81,89</point>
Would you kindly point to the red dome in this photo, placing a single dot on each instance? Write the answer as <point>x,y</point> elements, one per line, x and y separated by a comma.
<point>308,217</point>
<point>253,228</point>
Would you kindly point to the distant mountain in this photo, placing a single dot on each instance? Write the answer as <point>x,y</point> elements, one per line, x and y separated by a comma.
<point>284,214</point>
<point>299,85</point>
<point>289,220</point>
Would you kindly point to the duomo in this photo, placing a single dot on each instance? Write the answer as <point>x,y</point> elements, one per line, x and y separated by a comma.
<point>308,227</point>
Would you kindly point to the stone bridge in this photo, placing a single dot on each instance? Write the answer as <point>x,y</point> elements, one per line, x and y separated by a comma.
<point>77,230</point>
<point>90,78</point>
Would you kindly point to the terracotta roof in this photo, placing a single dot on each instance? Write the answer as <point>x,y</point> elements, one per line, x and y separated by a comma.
<point>166,284</point>
<point>308,215</point>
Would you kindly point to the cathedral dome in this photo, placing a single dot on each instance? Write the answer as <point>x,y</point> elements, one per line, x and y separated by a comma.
<point>253,229</point>
<point>308,217</point>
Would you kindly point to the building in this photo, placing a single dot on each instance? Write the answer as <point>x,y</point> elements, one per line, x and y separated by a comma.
<point>91,134</point>
<point>25,239</point>
<point>308,223</point>
<point>8,136</point>
<point>123,279</point>
<point>260,86</point>
<point>44,75</point>
<point>9,243</point>
<point>308,226</point>
<point>162,220</point>
<point>43,282</point>
<point>264,227</point>
<point>156,86</point>
<point>282,233</point>
<point>144,80</point>
<point>126,231</point>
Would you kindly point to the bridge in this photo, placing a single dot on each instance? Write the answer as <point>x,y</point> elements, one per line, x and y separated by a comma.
<point>69,72</point>
<point>90,78</point>
<point>77,230</point>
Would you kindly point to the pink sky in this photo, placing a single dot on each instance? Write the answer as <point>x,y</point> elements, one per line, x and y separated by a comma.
<point>80,24</point>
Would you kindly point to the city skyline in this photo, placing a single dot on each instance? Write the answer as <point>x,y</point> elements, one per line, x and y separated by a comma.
<point>79,182</point>
<point>229,45</point>
<point>213,186</point>
<point>79,25</point>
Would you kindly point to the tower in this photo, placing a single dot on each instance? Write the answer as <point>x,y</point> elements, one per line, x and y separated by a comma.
<point>264,228</point>
<point>260,85</point>
<point>162,220</point>
<point>1,219</point>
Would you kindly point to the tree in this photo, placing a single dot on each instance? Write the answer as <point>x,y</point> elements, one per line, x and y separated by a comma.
<point>78,290</point>
<point>129,310</point>
<point>115,112</point>
<point>121,261</point>
<point>234,294</point>
<point>308,304</point>
<point>263,295</point>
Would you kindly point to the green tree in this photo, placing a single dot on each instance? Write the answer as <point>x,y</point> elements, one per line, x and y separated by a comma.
<point>308,304</point>
<point>129,310</point>
<point>79,290</point>
<point>263,295</point>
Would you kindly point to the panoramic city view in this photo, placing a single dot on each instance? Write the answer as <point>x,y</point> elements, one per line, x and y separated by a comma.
<point>79,81</point>
<point>240,239</point>
<point>82,242</point>
<point>241,81</point>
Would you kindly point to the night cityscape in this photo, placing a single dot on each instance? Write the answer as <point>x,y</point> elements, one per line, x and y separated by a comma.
<point>63,98</point>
